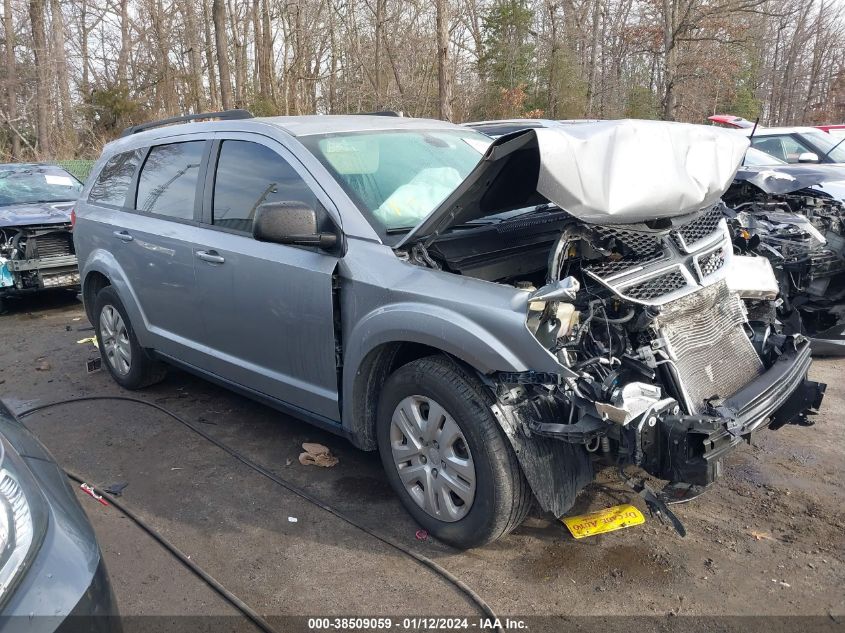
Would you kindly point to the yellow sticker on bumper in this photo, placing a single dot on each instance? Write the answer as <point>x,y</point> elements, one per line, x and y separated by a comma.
<point>606,520</point>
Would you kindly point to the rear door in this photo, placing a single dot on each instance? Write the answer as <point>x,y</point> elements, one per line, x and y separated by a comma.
<point>154,239</point>
<point>267,309</point>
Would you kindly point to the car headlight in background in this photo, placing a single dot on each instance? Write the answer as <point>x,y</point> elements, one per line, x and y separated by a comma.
<point>23,519</point>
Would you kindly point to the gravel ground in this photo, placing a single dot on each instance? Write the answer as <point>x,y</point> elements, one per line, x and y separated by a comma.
<point>766,540</point>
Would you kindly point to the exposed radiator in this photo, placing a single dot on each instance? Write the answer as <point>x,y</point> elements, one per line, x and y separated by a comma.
<point>52,244</point>
<point>710,351</point>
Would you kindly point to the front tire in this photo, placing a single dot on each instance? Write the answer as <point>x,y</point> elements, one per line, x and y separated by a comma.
<point>446,456</point>
<point>127,362</point>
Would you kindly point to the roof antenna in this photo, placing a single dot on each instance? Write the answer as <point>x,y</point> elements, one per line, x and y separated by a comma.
<point>754,129</point>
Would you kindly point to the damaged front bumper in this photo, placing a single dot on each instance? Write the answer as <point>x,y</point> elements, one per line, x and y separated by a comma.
<point>27,275</point>
<point>679,448</point>
<point>690,448</point>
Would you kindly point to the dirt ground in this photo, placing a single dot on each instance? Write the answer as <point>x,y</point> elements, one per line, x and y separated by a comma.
<point>768,539</point>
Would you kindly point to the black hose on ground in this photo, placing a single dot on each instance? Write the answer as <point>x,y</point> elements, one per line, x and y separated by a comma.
<point>183,558</point>
<point>423,560</point>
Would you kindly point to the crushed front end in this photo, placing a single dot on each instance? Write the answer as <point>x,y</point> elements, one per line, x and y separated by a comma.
<point>670,344</point>
<point>36,257</point>
<point>802,233</point>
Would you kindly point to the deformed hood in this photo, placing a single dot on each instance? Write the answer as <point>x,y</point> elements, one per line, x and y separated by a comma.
<point>35,214</point>
<point>780,179</point>
<point>609,172</point>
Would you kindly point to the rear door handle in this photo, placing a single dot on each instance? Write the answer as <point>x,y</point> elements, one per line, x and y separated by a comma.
<point>211,256</point>
<point>123,236</point>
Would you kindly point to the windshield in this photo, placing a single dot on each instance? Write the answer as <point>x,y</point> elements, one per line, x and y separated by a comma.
<point>37,183</point>
<point>825,142</point>
<point>757,158</point>
<point>397,177</point>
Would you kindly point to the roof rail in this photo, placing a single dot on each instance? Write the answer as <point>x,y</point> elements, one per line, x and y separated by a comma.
<point>226,115</point>
<point>383,113</point>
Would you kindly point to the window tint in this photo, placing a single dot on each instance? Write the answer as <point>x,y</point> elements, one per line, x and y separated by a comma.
<point>113,182</point>
<point>248,175</point>
<point>168,181</point>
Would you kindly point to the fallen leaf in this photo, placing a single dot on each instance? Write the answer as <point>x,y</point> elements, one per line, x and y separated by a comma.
<point>760,536</point>
<point>317,455</point>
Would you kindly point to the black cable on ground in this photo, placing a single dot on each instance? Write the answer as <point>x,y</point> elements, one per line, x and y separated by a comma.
<point>423,560</point>
<point>212,582</point>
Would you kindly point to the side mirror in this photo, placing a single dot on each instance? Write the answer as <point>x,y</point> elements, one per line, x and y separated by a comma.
<point>808,157</point>
<point>290,223</point>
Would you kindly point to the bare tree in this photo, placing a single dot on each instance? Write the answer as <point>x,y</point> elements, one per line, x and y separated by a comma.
<point>218,13</point>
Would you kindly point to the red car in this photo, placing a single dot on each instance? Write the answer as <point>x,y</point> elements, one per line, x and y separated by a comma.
<point>729,120</point>
<point>835,130</point>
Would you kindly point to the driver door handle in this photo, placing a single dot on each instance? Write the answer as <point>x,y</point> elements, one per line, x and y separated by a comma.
<point>211,256</point>
<point>123,236</point>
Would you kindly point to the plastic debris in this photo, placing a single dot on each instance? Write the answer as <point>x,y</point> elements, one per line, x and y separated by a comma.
<point>116,488</point>
<point>89,490</point>
<point>90,339</point>
<point>422,535</point>
<point>292,519</point>
<point>317,455</point>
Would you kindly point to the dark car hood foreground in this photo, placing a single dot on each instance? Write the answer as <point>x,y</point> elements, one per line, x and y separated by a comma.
<point>609,172</point>
<point>35,214</point>
<point>780,179</point>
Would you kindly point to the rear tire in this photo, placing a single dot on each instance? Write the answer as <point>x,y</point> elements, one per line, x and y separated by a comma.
<point>476,491</point>
<point>128,363</point>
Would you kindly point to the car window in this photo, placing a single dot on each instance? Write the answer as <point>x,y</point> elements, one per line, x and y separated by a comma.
<point>757,158</point>
<point>113,182</point>
<point>397,177</point>
<point>168,181</point>
<point>247,176</point>
<point>23,184</point>
<point>784,147</point>
<point>828,143</point>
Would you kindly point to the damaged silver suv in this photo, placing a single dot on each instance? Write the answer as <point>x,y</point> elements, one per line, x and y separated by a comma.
<point>495,318</point>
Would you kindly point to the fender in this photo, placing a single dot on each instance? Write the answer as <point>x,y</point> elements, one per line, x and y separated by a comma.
<point>429,325</point>
<point>104,262</point>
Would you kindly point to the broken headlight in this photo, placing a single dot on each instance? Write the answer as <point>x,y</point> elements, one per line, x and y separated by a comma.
<point>22,517</point>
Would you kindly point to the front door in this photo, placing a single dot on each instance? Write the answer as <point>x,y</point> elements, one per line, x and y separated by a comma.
<point>267,309</point>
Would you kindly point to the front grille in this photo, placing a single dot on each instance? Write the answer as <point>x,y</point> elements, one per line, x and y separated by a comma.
<point>711,263</point>
<point>703,226</point>
<point>710,351</point>
<point>639,243</point>
<point>611,268</point>
<point>52,244</point>
<point>656,286</point>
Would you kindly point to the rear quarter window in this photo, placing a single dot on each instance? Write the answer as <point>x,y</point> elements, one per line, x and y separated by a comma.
<point>114,179</point>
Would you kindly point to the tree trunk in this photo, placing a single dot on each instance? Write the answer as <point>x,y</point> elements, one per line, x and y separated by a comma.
<point>209,57</point>
<point>11,78</point>
<point>444,86</point>
<point>123,55</point>
<point>42,86</point>
<point>269,80</point>
<point>218,14</point>
<point>194,58</point>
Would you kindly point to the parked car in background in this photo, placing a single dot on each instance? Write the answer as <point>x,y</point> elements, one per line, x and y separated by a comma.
<point>794,216</point>
<point>798,144</point>
<point>729,120</point>
<point>36,246</point>
<point>493,316</point>
<point>834,130</point>
<point>52,575</point>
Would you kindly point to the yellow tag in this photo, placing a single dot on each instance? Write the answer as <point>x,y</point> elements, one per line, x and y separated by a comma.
<point>606,520</point>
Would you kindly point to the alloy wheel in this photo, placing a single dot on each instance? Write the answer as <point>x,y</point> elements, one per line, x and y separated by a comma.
<point>115,338</point>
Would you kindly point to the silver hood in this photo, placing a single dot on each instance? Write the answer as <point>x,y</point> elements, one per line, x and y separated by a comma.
<point>609,172</point>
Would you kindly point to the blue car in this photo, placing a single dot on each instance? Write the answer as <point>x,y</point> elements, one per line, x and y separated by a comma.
<point>36,246</point>
<point>52,575</point>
